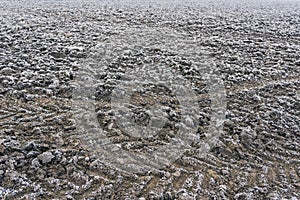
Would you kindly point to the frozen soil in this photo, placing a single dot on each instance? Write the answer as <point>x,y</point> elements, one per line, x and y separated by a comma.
<point>255,47</point>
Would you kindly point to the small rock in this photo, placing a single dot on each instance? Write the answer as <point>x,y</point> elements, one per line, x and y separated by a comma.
<point>35,163</point>
<point>55,84</point>
<point>189,121</point>
<point>177,174</point>
<point>167,175</point>
<point>46,157</point>
<point>69,197</point>
<point>224,172</point>
<point>30,146</point>
<point>56,54</point>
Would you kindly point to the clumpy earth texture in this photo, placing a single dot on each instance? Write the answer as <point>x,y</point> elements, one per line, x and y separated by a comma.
<point>245,127</point>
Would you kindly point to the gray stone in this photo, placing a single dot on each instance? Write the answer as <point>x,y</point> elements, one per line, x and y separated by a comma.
<point>46,157</point>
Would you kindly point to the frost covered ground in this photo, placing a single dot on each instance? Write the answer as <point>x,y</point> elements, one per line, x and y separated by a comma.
<point>149,100</point>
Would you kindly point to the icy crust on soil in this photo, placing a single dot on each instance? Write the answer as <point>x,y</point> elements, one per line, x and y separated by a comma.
<point>255,47</point>
<point>139,63</point>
